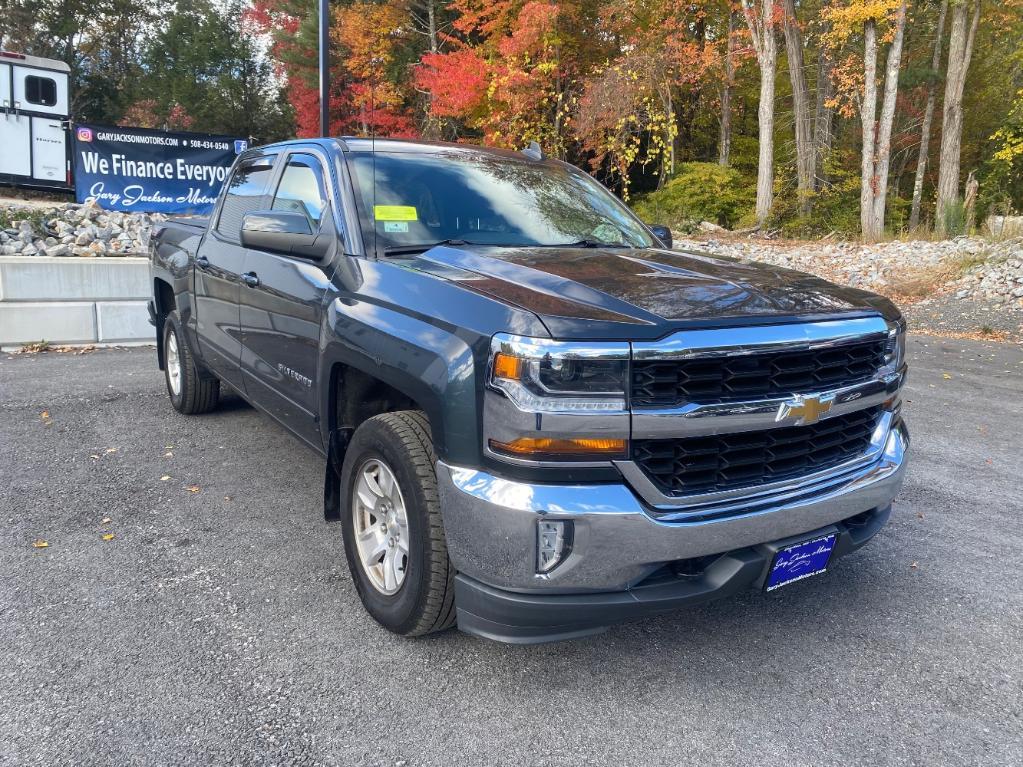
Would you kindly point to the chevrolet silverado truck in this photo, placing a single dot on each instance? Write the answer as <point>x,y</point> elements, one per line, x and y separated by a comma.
<point>536,418</point>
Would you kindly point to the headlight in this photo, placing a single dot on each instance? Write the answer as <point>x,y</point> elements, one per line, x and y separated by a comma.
<point>542,376</point>
<point>556,401</point>
<point>895,348</point>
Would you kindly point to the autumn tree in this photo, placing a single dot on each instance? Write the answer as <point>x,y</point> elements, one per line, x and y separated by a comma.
<point>762,21</point>
<point>867,18</point>
<point>928,118</point>
<point>805,155</point>
<point>965,19</point>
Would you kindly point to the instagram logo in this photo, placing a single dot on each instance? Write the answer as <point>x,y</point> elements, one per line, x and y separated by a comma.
<point>85,134</point>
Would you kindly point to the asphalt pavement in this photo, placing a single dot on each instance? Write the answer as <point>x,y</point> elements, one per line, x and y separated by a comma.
<point>219,625</point>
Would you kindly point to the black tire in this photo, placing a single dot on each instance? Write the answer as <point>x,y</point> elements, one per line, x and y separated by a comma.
<point>425,600</point>
<point>197,393</point>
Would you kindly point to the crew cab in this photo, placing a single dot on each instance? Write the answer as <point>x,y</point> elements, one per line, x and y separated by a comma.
<point>536,419</point>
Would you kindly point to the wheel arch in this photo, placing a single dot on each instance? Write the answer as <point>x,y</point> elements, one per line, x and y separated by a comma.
<point>378,364</point>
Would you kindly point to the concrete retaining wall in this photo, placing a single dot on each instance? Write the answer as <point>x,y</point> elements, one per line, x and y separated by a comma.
<point>74,300</point>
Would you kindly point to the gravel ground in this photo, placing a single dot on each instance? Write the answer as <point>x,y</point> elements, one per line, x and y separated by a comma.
<point>219,625</point>
<point>966,286</point>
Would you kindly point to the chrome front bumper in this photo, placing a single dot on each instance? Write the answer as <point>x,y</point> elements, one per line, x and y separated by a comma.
<point>491,524</point>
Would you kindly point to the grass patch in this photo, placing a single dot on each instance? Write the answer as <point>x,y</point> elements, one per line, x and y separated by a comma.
<point>38,219</point>
<point>923,282</point>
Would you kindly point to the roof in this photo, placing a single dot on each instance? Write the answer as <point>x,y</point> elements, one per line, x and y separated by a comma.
<point>23,59</point>
<point>412,146</point>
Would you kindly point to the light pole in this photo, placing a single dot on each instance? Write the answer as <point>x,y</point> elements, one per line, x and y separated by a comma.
<point>324,67</point>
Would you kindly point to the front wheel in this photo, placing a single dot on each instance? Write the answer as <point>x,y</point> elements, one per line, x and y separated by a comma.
<point>190,392</point>
<point>393,533</point>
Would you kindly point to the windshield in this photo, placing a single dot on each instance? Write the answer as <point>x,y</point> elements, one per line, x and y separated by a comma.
<point>420,199</point>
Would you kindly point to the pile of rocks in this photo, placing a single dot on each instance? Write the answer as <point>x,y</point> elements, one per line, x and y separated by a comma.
<point>969,267</point>
<point>74,230</point>
<point>999,279</point>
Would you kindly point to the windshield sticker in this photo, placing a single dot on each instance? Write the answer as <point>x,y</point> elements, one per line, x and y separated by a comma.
<point>395,213</point>
<point>396,226</point>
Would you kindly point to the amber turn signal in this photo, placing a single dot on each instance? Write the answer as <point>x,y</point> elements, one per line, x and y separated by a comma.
<point>542,447</point>
<point>507,366</point>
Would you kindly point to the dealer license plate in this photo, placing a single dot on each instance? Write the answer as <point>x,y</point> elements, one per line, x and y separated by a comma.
<point>800,561</point>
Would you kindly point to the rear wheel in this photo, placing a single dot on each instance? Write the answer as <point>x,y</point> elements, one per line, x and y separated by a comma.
<point>189,390</point>
<point>393,533</point>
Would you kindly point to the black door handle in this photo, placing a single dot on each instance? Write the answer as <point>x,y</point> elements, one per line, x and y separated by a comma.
<point>202,262</point>
<point>251,279</point>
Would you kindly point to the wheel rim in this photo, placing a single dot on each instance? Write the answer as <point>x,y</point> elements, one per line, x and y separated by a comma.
<point>381,526</point>
<point>173,363</point>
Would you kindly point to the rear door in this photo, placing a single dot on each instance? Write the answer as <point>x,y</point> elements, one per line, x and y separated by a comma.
<point>49,150</point>
<point>219,265</point>
<point>281,303</point>
<point>15,146</point>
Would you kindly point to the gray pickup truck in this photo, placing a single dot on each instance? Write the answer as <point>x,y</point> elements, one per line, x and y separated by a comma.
<point>536,418</point>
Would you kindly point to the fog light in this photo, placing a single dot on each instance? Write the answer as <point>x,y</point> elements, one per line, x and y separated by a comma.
<point>553,542</point>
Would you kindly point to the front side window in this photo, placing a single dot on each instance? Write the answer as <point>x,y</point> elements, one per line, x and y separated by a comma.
<point>302,190</point>
<point>41,91</point>
<point>410,199</point>
<point>244,193</point>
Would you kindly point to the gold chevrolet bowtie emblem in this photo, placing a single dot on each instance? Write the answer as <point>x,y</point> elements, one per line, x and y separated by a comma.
<point>807,409</point>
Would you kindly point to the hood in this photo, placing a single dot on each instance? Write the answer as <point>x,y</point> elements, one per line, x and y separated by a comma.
<point>648,292</point>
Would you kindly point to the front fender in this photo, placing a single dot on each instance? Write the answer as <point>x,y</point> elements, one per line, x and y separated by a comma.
<point>431,365</point>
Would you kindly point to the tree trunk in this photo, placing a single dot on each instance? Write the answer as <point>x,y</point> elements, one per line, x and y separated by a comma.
<point>868,111</point>
<point>805,156</point>
<point>925,128</point>
<point>883,148</point>
<point>970,202</point>
<point>877,134</point>
<point>823,118</point>
<point>960,51</point>
<point>725,139</point>
<point>766,46</point>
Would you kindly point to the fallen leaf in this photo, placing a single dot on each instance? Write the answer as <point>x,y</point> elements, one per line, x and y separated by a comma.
<point>919,515</point>
<point>106,520</point>
<point>228,498</point>
<point>110,450</point>
<point>45,414</point>
<point>193,488</point>
<point>914,566</point>
<point>41,544</point>
<point>165,477</point>
<point>168,447</point>
<point>94,457</point>
<point>168,455</point>
<point>108,536</point>
<point>946,376</point>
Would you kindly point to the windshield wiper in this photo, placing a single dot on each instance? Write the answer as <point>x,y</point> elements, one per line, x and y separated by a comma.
<point>394,250</point>
<point>583,244</point>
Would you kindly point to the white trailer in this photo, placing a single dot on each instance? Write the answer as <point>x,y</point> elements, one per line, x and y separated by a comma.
<point>34,121</point>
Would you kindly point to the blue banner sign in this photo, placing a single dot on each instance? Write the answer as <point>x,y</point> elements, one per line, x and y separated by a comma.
<point>148,171</point>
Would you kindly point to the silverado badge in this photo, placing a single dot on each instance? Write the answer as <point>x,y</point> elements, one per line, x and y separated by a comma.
<point>808,410</point>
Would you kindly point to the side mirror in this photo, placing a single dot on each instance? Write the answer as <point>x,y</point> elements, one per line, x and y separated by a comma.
<point>284,232</point>
<point>662,233</point>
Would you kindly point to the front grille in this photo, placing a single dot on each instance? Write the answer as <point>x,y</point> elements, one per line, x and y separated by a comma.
<point>746,459</point>
<point>710,380</point>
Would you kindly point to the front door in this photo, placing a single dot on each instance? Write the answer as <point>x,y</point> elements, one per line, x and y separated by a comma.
<point>219,265</point>
<point>281,307</point>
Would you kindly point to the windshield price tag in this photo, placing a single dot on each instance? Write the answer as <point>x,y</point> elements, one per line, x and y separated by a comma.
<point>396,226</point>
<point>395,213</point>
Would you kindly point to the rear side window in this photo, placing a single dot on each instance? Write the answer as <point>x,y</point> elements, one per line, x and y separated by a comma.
<point>302,190</point>
<point>244,193</point>
<point>41,91</point>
